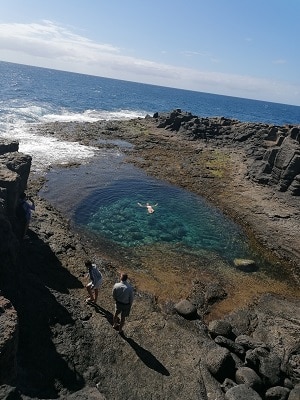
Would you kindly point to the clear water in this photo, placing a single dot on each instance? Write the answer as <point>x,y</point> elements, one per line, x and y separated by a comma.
<point>102,199</point>
<point>180,217</point>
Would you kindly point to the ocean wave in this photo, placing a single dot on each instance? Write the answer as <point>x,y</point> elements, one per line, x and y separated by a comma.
<point>47,151</point>
<point>93,116</point>
<point>17,119</point>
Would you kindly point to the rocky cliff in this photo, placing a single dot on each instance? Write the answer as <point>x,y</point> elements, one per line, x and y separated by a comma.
<point>273,151</point>
<point>14,173</point>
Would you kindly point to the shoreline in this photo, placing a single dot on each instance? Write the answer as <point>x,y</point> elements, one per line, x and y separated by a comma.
<point>259,210</point>
<point>165,353</point>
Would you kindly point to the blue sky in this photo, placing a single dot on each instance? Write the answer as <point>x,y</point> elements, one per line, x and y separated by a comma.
<point>243,48</point>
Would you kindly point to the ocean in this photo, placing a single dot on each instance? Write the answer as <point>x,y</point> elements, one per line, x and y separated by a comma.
<point>31,96</point>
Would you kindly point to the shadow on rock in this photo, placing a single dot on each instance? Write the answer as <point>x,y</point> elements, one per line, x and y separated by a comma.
<point>38,289</point>
<point>107,314</point>
<point>38,258</point>
<point>148,358</point>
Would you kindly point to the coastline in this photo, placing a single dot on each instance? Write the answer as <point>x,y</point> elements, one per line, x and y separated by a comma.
<point>165,352</point>
<point>270,218</point>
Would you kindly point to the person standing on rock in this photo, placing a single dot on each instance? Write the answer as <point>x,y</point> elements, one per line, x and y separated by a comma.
<point>95,283</point>
<point>25,207</point>
<point>123,295</point>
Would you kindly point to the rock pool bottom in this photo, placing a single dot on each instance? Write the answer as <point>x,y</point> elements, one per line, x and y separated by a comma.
<point>183,241</point>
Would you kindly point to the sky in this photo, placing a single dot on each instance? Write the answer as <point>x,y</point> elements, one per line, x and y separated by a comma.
<point>242,48</point>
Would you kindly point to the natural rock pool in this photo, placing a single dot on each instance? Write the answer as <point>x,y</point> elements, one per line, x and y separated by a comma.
<point>185,238</point>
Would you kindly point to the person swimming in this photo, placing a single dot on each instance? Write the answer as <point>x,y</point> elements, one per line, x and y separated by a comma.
<point>150,208</point>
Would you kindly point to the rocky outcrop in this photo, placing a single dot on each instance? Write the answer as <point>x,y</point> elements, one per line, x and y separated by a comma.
<point>14,173</point>
<point>8,341</point>
<point>273,152</point>
<point>257,351</point>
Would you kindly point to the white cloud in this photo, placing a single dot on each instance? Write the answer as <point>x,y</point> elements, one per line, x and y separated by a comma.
<point>280,61</point>
<point>47,44</point>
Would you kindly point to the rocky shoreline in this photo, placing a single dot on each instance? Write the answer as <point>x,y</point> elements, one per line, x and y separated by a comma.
<point>67,350</point>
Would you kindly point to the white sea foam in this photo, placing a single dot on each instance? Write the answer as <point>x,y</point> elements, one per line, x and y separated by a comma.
<point>47,151</point>
<point>16,120</point>
<point>93,116</point>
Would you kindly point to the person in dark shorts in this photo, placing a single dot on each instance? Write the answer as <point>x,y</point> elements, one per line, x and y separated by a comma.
<point>123,295</point>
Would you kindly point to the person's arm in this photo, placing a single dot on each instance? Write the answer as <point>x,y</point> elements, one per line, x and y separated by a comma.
<point>114,293</point>
<point>141,205</point>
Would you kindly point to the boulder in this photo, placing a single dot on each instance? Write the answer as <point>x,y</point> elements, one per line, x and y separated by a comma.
<point>249,377</point>
<point>220,328</point>
<point>220,363</point>
<point>245,265</point>
<point>87,393</point>
<point>242,392</point>
<point>277,393</point>
<point>230,345</point>
<point>248,342</point>
<point>8,147</point>
<point>186,309</point>
<point>295,393</point>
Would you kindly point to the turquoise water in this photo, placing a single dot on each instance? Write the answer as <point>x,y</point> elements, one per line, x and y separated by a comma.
<point>180,217</point>
<point>101,199</point>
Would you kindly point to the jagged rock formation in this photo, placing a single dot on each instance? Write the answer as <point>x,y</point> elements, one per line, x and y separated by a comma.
<point>274,151</point>
<point>14,173</point>
<point>256,353</point>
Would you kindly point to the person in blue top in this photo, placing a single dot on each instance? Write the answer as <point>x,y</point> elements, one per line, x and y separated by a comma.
<point>95,283</point>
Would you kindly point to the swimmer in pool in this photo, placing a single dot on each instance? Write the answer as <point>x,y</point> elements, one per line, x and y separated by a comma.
<point>150,208</point>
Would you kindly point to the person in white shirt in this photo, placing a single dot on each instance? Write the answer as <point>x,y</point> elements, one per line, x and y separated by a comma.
<point>95,283</point>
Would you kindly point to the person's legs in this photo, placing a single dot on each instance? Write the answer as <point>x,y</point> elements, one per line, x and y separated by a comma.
<point>90,292</point>
<point>96,295</point>
<point>122,322</point>
<point>116,319</point>
<point>124,313</point>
